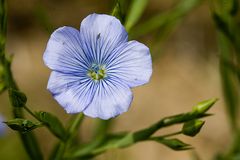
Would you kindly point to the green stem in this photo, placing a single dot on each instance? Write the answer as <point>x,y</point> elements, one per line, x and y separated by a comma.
<point>31,113</point>
<point>100,135</point>
<point>73,128</point>
<point>29,141</point>
<point>72,131</point>
<point>172,134</point>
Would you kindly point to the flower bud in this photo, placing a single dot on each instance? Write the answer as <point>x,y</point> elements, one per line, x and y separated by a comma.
<point>192,128</point>
<point>21,125</point>
<point>204,106</point>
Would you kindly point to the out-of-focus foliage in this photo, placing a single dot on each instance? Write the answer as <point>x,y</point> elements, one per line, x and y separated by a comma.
<point>226,17</point>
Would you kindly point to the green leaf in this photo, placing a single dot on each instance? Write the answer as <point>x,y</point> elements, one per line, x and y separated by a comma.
<point>135,12</point>
<point>192,128</point>
<point>17,98</point>
<point>53,124</point>
<point>22,125</point>
<point>174,143</point>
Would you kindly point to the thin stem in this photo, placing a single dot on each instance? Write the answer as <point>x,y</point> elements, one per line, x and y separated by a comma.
<point>75,125</point>
<point>172,134</point>
<point>31,113</point>
<point>72,131</point>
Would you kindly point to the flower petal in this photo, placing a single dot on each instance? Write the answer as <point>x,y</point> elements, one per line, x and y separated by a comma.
<point>64,53</point>
<point>100,35</point>
<point>111,99</point>
<point>131,62</point>
<point>73,93</point>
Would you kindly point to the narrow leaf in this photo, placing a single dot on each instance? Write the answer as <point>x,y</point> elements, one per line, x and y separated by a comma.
<point>135,12</point>
<point>117,11</point>
<point>165,20</point>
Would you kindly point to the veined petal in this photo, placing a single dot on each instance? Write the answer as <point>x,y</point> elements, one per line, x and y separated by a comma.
<point>131,62</point>
<point>100,35</point>
<point>73,93</point>
<point>64,53</point>
<point>111,99</point>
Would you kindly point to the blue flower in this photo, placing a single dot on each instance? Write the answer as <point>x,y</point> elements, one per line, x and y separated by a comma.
<point>94,68</point>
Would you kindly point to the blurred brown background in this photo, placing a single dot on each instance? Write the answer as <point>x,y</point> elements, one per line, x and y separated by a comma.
<point>185,72</point>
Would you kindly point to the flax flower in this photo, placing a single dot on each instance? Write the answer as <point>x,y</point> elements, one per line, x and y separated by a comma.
<point>94,68</point>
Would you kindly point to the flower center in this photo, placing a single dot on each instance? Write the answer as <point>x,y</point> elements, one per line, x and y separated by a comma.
<point>97,72</point>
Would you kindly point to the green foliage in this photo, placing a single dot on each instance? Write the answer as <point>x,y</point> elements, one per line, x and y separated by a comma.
<point>118,10</point>
<point>164,22</point>
<point>53,124</point>
<point>229,80</point>
<point>28,139</point>
<point>22,125</point>
<point>224,13</point>
<point>128,139</point>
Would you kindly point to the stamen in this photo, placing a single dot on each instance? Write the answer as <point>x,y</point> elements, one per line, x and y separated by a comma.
<point>97,72</point>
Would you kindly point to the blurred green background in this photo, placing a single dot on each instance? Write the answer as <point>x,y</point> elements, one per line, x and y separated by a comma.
<point>185,71</point>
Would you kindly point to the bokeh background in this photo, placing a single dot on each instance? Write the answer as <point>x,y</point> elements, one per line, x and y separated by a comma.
<point>185,71</point>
